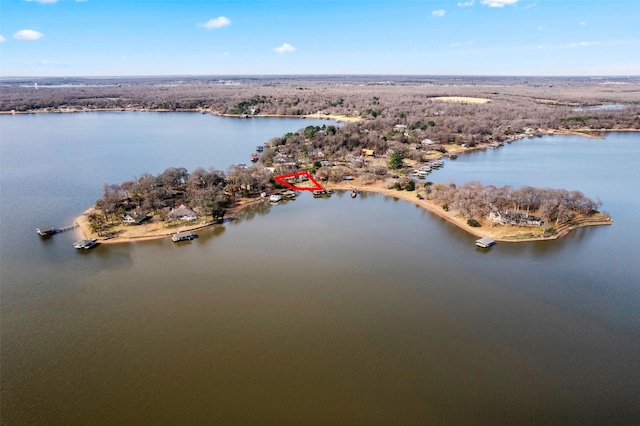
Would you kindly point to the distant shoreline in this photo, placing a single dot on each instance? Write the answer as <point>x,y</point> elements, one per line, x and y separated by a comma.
<point>334,117</point>
<point>588,133</point>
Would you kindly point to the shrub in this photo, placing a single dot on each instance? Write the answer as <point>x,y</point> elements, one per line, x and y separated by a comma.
<point>410,186</point>
<point>472,222</point>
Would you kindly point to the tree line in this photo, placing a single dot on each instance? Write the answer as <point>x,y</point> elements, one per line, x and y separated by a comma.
<point>475,201</point>
<point>208,192</point>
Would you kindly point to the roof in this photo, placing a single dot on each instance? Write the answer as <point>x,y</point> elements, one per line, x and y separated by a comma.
<point>183,234</point>
<point>485,242</point>
<point>181,211</point>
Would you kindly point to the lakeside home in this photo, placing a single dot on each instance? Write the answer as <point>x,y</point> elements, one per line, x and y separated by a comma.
<point>506,217</point>
<point>182,213</point>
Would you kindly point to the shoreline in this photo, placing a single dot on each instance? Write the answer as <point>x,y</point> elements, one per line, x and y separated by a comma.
<point>499,233</point>
<point>328,117</point>
<point>83,225</point>
<point>508,234</point>
<point>588,133</point>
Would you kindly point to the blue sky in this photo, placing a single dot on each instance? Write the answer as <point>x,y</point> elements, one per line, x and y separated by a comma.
<point>262,37</point>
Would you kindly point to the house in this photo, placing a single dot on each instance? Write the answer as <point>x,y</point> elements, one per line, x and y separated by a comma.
<point>367,152</point>
<point>134,217</point>
<point>427,142</point>
<point>284,160</point>
<point>516,219</point>
<point>182,213</point>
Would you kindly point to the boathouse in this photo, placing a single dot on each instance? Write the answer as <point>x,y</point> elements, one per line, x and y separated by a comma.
<point>182,236</point>
<point>485,242</point>
<point>46,230</point>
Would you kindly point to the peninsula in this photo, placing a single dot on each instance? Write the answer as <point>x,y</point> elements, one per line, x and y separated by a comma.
<point>392,130</point>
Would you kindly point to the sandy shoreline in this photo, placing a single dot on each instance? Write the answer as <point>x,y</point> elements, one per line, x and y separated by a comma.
<point>498,233</point>
<point>142,232</point>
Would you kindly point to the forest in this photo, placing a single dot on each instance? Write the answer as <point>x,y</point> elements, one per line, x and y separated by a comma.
<point>474,201</point>
<point>208,192</point>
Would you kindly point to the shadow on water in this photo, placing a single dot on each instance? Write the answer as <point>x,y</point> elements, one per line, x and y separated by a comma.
<point>260,208</point>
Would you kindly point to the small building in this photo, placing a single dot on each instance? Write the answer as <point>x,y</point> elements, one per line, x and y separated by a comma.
<point>485,242</point>
<point>85,244</point>
<point>134,218</point>
<point>46,230</point>
<point>182,236</point>
<point>182,213</point>
<point>367,152</point>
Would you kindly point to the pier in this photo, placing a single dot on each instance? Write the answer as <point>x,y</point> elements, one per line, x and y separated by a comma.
<point>50,230</point>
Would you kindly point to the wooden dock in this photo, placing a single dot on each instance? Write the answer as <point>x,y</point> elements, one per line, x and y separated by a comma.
<point>50,230</point>
<point>68,228</point>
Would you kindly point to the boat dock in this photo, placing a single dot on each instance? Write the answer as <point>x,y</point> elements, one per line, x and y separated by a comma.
<point>50,230</point>
<point>485,242</point>
<point>183,236</point>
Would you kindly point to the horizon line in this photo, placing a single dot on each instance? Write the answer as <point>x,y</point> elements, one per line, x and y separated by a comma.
<point>332,75</point>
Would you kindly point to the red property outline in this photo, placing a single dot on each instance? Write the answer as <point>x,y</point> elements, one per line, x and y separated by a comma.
<point>282,178</point>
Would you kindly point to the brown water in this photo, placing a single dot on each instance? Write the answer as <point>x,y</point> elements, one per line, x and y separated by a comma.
<point>330,311</point>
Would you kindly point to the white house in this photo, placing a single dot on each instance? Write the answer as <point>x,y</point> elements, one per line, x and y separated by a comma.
<point>182,213</point>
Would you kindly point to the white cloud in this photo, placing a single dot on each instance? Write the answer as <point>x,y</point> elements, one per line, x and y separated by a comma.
<point>2,38</point>
<point>584,24</point>
<point>28,35</point>
<point>584,44</point>
<point>467,4</point>
<point>286,47</point>
<point>498,3</point>
<point>44,1</point>
<point>541,28</point>
<point>124,57</point>
<point>219,22</point>
<point>529,6</point>
<point>439,13</point>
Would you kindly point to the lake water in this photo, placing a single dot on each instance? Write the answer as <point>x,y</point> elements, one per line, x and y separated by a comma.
<point>340,310</point>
